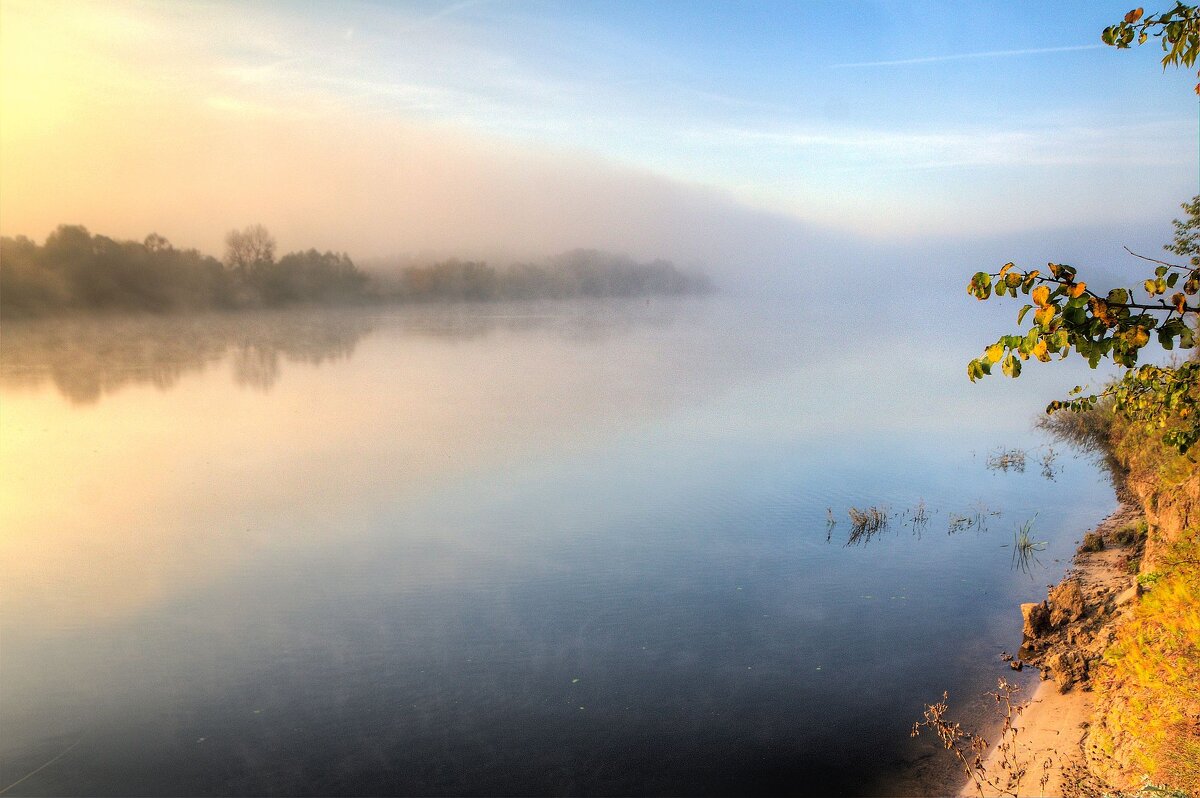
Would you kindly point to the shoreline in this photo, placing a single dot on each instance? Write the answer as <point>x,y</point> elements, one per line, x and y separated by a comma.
<point>1052,727</point>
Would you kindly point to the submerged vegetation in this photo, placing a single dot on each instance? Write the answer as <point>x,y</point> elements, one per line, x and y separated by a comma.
<point>1007,460</point>
<point>975,519</point>
<point>1050,468</point>
<point>75,270</point>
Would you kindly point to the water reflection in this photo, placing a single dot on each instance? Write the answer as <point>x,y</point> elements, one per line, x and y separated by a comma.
<point>376,409</point>
<point>88,358</point>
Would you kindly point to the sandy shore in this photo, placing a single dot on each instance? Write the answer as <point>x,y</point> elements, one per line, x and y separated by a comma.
<point>1051,728</point>
<point>1053,725</point>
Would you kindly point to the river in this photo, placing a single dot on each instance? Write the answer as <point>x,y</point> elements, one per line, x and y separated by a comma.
<point>508,549</point>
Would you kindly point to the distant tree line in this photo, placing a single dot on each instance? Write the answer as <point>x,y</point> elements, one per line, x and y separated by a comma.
<point>579,273</point>
<point>77,271</point>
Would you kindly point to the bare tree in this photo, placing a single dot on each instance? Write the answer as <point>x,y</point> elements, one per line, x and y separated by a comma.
<point>156,243</point>
<point>250,247</point>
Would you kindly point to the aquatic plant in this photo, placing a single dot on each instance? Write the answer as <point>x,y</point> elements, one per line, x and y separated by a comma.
<point>1007,460</point>
<point>960,523</point>
<point>1025,548</point>
<point>976,519</point>
<point>866,524</point>
<point>1049,470</point>
<point>918,517</point>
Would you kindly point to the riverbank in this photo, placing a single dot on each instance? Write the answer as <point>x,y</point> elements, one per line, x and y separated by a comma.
<point>1065,638</point>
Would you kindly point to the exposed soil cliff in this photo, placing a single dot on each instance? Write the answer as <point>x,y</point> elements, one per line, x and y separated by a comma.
<point>1117,642</point>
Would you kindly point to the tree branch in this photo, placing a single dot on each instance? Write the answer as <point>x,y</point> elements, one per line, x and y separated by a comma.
<point>1156,260</point>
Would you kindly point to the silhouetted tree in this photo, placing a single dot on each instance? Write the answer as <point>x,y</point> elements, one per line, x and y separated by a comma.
<point>249,248</point>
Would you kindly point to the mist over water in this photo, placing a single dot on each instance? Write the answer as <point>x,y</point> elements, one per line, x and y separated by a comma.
<point>502,528</point>
<point>571,548</point>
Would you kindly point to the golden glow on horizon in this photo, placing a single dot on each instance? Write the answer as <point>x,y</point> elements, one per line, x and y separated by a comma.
<point>190,119</point>
<point>128,128</point>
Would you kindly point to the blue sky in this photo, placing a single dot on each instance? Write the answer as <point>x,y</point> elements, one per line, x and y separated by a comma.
<point>885,118</point>
<point>759,96</point>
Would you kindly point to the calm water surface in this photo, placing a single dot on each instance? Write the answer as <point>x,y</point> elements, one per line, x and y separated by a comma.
<point>529,550</point>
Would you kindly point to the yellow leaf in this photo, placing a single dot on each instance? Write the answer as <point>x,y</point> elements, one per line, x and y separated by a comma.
<point>1180,302</point>
<point>1039,351</point>
<point>994,353</point>
<point>1004,269</point>
<point>1041,295</point>
<point>1138,336</point>
<point>1043,315</point>
<point>1077,290</point>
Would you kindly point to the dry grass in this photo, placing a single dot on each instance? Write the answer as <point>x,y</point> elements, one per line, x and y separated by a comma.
<point>866,524</point>
<point>970,749</point>
<point>1151,679</point>
<point>1147,688</point>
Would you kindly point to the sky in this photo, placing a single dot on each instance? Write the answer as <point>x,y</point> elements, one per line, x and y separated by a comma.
<point>665,129</point>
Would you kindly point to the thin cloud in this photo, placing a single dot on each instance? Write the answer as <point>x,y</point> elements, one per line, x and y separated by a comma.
<point>846,149</point>
<point>442,13</point>
<point>930,59</point>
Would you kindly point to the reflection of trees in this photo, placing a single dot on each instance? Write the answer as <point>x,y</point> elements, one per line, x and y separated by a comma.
<point>313,338</point>
<point>255,368</point>
<point>583,321</point>
<point>88,357</point>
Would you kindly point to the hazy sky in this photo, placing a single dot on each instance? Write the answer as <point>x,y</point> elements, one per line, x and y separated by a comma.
<point>673,129</point>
